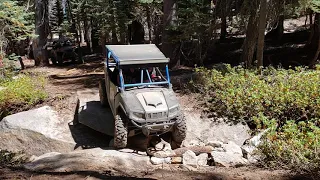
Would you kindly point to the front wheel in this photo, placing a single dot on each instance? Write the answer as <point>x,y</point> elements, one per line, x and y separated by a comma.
<point>120,133</point>
<point>179,130</point>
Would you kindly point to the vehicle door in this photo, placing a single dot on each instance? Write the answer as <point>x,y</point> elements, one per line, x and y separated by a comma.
<point>111,74</point>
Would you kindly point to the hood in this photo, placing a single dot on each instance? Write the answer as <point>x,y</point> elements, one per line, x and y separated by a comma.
<point>152,101</point>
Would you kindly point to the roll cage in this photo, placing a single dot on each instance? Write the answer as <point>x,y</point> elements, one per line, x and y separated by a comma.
<point>137,59</point>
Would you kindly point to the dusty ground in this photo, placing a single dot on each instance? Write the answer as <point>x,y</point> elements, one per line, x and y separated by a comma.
<point>63,82</point>
<point>244,173</point>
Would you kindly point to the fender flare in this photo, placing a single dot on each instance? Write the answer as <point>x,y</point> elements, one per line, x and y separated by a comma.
<point>121,107</point>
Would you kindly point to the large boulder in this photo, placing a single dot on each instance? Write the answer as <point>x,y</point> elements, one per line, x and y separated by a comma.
<point>91,160</point>
<point>205,130</point>
<point>189,158</point>
<point>31,143</point>
<point>250,147</point>
<point>36,132</point>
<point>231,156</point>
<point>43,120</point>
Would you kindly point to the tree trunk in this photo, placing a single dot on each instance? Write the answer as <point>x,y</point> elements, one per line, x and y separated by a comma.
<point>223,6</point>
<point>250,41</point>
<point>157,30</point>
<point>169,14</point>
<point>42,30</point>
<point>262,28</point>
<point>103,38</point>
<point>312,28</point>
<point>94,36</point>
<point>149,23</point>
<point>315,44</point>
<point>113,25</point>
<point>87,34</point>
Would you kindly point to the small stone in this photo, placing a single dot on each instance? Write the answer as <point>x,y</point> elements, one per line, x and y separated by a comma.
<point>247,150</point>
<point>157,161</point>
<point>190,158</point>
<point>226,159</point>
<point>176,160</point>
<point>163,146</point>
<point>256,140</point>
<point>232,147</point>
<point>215,144</point>
<point>202,159</point>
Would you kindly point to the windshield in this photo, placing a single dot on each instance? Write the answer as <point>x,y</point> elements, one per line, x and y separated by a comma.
<point>142,77</point>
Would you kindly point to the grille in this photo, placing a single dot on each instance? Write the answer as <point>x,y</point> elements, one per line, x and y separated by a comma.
<point>157,115</point>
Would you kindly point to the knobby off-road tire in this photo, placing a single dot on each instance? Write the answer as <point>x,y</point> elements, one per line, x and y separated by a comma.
<point>103,93</point>
<point>179,130</point>
<point>120,133</point>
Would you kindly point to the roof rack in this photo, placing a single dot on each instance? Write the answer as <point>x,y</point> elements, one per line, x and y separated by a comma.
<point>136,54</point>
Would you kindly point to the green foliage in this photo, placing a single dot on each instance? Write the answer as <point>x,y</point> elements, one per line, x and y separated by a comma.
<point>315,5</point>
<point>193,20</point>
<point>294,146</point>
<point>25,90</point>
<point>7,67</point>
<point>56,15</point>
<point>285,101</point>
<point>15,23</point>
<point>304,5</point>
<point>279,94</point>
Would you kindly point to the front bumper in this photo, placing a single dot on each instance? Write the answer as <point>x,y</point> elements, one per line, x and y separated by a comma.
<point>149,129</point>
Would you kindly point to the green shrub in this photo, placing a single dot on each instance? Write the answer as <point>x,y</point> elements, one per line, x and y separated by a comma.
<point>294,146</point>
<point>277,94</point>
<point>286,101</point>
<point>25,90</point>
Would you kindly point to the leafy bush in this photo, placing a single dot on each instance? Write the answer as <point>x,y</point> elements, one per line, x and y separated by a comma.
<point>286,101</point>
<point>25,90</point>
<point>294,145</point>
<point>277,94</point>
<point>7,67</point>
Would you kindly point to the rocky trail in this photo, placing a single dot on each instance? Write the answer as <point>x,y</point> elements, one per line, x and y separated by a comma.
<point>58,147</point>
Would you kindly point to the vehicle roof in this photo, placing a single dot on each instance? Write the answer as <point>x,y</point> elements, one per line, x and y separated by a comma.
<point>137,54</point>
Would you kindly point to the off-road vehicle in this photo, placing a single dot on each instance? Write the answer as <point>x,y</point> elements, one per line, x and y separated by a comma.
<point>139,95</point>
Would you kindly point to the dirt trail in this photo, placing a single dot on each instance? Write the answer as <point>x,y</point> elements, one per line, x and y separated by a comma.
<point>62,86</point>
<point>161,173</point>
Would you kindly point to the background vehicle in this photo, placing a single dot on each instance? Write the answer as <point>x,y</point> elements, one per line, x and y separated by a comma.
<point>61,50</point>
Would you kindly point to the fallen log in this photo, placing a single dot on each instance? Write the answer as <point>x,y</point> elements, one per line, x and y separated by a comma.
<point>196,149</point>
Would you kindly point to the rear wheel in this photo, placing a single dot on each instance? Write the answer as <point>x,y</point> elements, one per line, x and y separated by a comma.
<point>179,130</point>
<point>103,93</point>
<point>120,133</point>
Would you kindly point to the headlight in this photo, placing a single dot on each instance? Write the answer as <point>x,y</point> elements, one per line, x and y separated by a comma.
<point>173,111</point>
<point>139,115</point>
